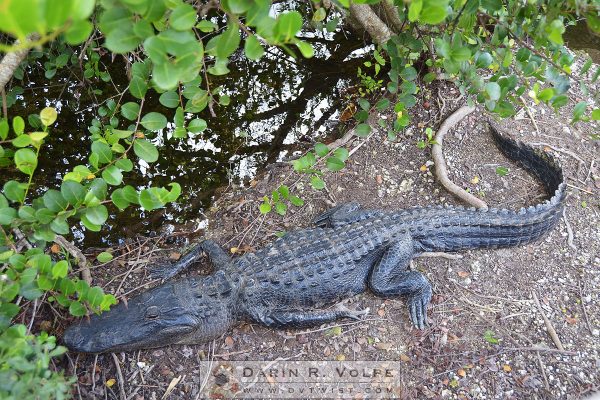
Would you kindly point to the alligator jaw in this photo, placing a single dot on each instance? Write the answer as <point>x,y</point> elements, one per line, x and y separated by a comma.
<point>158,317</point>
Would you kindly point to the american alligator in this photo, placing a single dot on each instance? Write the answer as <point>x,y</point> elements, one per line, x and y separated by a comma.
<point>350,250</point>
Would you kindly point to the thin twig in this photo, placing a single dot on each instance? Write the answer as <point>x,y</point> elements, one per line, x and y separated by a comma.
<point>119,377</point>
<point>528,111</point>
<point>549,327</point>
<point>539,359</point>
<point>441,254</point>
<point>78,254</point>
<point>569,230</point>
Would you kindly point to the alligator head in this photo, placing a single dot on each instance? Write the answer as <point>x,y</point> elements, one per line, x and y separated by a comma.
<point>167,314</point>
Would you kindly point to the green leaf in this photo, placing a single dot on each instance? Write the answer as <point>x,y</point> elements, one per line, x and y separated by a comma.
<point>197,125</point>
<point>78,32</point>
<point>305,48</point>
<point>21,141</point>
<point>77,309</point>
<point>265,206</point>
<point>280,208</point>
<point>433,12</point>
<point>131,195</point>
<point>124,164</point>
<point>118,199</point>
<point>30,291</point>
<point>7,215</point>
<point>206,26</point>
<point>18,125</point>
<point>297,201</point>
<point>555,30</point>
<point>341,153</point>
<point>60,269</point>
<point>3,128</point>
<point>154,121</point>
<point>334,164</point>
<point>183,17</point>
<point>130,110</point>
<point>104,257</point>
<point>409,74</point>
<point>112,175</point>
<point>321,149</point>
<point>253,48</point>
<point>578,111</point>
<point>59,225</point>
<point>414,10</point>
<point>96,215</point>
<point>150,200</point>
<point>138,87</point>
<point>123,39</point>
<point>489,336</point>
<point>317,182</point>
<point>26,161</point>
<point>145,150</point>
<point>382,104</point>
<point>54,201</point>
<point>596,114</point>
<point>73,192</point>
<point>103,152</point>
<point>493,90</point>
<point>287,25</point>
<point>94,296</point>
<point>169,99</point>
<point>48,116</point>
<point>501,171</point>
<point>362,130</point>
<point>364,104</point>
<point>226,43</point>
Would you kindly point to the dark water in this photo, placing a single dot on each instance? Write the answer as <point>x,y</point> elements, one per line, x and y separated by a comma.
<point>579,37</point>
<point>277,105</point>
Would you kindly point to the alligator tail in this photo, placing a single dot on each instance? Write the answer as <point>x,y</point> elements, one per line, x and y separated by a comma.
<point>536,161</point>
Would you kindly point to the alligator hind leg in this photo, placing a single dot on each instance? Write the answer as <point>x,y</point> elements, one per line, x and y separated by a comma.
<point>391,277</point>
<point>215,253</point>
<point>335,214</point>
<point>302,318</point>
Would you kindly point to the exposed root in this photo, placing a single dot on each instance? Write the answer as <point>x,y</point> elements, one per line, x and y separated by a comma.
<point>375,27</point>
<point>84,267</point>
<point>441,170</point>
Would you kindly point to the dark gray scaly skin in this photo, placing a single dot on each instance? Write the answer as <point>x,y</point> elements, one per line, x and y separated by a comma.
<point>350,249</point>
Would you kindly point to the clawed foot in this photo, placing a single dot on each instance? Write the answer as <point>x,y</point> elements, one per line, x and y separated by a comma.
<point>417,307</point>
<point>349,313</point>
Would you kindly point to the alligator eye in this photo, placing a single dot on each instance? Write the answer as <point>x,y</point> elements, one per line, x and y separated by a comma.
<point>152,312</point>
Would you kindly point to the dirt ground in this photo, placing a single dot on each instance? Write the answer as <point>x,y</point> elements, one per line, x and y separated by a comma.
<point>487,338</point>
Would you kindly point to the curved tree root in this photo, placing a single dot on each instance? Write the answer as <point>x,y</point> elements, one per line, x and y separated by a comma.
<point>441,170</point>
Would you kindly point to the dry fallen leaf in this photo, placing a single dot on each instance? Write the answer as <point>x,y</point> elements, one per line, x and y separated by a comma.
<point>381,312</point>
<point>229,341</point>
<point>423,168</point>
<point>379,179</point>
<point>404,357</point>
<point>461,372</point>
<point>571,320</point>
<point>111,382</point>
<point>175,256</point>
<point>341,357</point>
<point>507,368</point>
<point>475,180</point>
<point>384,346</point>
<point>55,248</point>
<point>463,274</point>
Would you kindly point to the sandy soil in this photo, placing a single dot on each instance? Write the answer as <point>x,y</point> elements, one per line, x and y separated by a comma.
<point>485,325</point>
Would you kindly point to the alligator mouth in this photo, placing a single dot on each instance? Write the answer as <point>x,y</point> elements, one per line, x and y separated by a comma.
<point>85,338</point>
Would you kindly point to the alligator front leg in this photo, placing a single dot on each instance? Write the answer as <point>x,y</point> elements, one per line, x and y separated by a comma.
<point>301,318</point>
<point>391,277</point>
<point>215,253</point>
